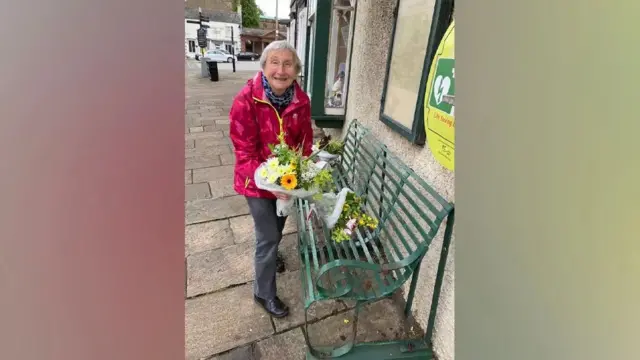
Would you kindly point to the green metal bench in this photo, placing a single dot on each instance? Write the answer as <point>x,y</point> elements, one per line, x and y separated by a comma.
<point>378,263</point>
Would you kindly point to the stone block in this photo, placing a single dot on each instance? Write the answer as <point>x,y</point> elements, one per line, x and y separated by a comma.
<point>212,142</point>
<point>217,269</point>
<point>222,188</point>
<point>207,236</point>
<point>200,160</point>
<point>228,159</point>
<point>215,209</point>
<point>289,290</point>
<point>197,192</point>
<point>378,321</point>
<point>214,173</point>
<point>286,346</point>
<point>205,135</point>
<point>219,322</point>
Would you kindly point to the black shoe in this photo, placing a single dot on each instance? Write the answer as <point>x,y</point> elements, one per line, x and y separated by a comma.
<point>280,263</point>
<point>275,307</point>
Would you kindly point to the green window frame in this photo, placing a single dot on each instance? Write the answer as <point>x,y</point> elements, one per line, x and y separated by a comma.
<point>410,124</point>
<point>323,66</point>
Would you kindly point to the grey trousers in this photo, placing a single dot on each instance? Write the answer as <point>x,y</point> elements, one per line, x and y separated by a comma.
<point>268,229</point>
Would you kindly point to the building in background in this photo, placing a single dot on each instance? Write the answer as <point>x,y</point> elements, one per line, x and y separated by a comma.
<point>256,39</point>
<point>222,25</point>
<point>216,5</point>
<point>369,60</point>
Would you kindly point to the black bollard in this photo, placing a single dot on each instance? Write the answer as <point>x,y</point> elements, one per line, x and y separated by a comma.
<point>213,70</point>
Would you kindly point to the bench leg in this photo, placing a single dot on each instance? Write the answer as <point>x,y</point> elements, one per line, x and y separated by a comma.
<point>331,353</point>
<point>412,288</point>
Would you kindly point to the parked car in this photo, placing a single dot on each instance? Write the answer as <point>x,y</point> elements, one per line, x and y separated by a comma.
<point>246,55</point>
<point>218,56</point>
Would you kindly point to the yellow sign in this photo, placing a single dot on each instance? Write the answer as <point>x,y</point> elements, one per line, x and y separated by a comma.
<point>439,120</point>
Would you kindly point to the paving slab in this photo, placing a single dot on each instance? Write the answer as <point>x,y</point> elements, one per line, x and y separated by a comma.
<point>201,160</point>
<point>209,148</point>
<point>378,321</point>
<point>205,135</point>
<point>215,209</point>
<point>222,188</point>
<point>222,321</point>
<point>247,352</point>
<point>217,127</point>
<point>212,142</point>
<point>286,346</point>
<point>228,159</point>
<point>213,173</point>
<point>187,177</point>
<point>207,236</point>
<point>290,292</point>
<point>198,119</point>
<point>242,228</point>
<point>197,192</point>
<point>289,250</point>
<point>217,269</point>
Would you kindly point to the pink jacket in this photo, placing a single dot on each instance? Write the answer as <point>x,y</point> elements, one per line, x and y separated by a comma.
<point>255,123</point>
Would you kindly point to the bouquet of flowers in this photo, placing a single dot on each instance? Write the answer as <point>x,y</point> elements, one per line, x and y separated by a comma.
<point>342,214</point>
<point>287,171</point>
<point>328,149</point>
<point>351,218</point>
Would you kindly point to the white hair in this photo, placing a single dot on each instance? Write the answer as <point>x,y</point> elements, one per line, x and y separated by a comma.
<point>280,45</point>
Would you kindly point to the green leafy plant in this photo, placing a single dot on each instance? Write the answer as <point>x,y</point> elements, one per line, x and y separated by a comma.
<point>333,147</point>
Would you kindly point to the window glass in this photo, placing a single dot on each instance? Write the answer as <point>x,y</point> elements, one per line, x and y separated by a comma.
<point>410,42</point>
<point>338,57</point>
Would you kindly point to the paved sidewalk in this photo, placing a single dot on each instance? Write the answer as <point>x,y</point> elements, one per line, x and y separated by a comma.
<point>222,321</point>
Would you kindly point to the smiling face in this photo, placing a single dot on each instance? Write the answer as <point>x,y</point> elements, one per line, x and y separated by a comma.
<point>280,70</point>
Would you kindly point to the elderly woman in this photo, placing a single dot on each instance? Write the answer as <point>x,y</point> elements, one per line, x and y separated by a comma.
<point>270,103</point>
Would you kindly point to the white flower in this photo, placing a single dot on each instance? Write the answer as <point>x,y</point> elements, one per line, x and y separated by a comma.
<point>272,178</point>
<point>273,163</point>
<point>309,173</point>
<point>347,232</point>
<point>263,173</point>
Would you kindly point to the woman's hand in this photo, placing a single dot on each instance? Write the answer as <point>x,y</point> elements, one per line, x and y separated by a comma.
<point>281,196</point>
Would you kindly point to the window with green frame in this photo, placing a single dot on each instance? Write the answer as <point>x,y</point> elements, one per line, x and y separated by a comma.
<point>329,60</point>
<point>418,27</point>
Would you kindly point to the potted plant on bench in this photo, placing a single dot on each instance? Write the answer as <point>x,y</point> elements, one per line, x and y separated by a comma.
<point>327,149</point>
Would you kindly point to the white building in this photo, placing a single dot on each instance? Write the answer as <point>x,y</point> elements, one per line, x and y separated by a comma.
<point>223,32</point>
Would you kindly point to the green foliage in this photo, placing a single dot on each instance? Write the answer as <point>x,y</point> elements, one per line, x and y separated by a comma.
<point>250,13</point>
<point>334,147</point>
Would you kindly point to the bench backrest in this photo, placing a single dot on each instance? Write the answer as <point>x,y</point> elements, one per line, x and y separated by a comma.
<point>409,211</point>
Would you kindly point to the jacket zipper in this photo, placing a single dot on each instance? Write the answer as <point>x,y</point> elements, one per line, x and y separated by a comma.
<point>280,136</point>
<point>280,121</point>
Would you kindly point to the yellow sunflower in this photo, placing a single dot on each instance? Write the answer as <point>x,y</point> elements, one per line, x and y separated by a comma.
<point>289,181</point>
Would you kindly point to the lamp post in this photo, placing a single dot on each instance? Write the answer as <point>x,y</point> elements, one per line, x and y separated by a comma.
<point>202,39</point>
<point>233,50</point>
<point>277,27</point>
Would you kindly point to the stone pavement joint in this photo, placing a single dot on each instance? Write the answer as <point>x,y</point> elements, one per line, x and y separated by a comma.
<point>222,321</point>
